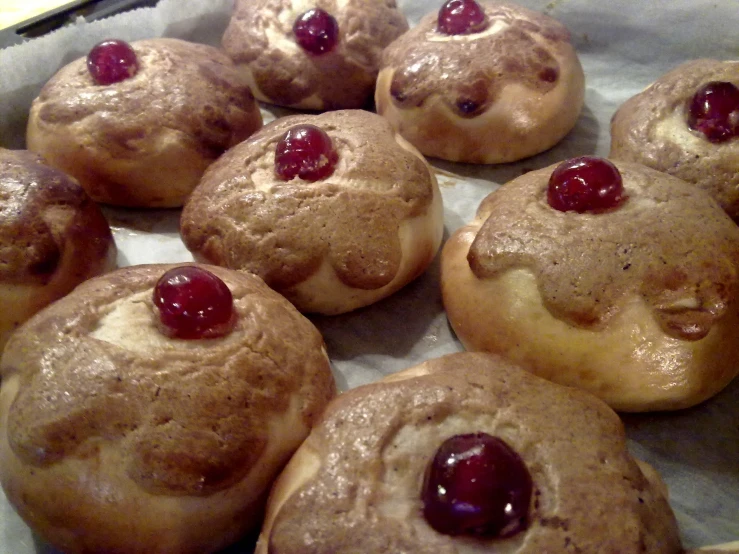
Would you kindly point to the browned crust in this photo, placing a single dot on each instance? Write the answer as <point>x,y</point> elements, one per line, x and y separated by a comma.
<point>490,97</point>
<point>241,216</point>
<point>225,388</point>
<point>182,439</point>
<point>637,305</point>
<point>52,236</point>
<point>590,494</point>
<point>286,75</point>
<point>666,243</point>
<point>635,134</point>
<point>474,77</point>
<point>144,141</point>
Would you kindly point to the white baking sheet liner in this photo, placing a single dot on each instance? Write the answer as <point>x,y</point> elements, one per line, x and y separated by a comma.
<point>623,45</point>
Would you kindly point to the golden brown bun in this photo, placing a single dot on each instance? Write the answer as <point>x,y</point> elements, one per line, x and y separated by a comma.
<point>330,246</point>
<point>355,484</point>
<point>638,305</point>
<point>651,128</point>
<point>260,39</point>
<point>500,95</point>
<point>145,141</point>
<point>52,237</point>
<point>115,438</point>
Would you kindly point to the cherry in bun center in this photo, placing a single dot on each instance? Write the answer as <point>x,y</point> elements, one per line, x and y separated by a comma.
<point>714,111</point>
<point>194,303</point>
<point>305,151</point>
<point>112,61</point>
<point>585,184</point>
<point>477,485</point>
<point>461,17</point>
<point>316,31</point>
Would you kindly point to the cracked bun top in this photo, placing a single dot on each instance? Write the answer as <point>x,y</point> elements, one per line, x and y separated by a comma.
<point>356,482</point>
<point>452,95</point>
<point>52,237</point>
<point>144,141</point>
<point>668,243</point>
<point>260,39</point>
<point>186,435</point>
<point>332,245</point>
<point>651,128</point>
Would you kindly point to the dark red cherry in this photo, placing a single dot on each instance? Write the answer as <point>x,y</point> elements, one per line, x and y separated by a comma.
<point>477,485</point>
<point>194,303</point>
<point>112,61</point>
<point>585,184</point>
<point>316,31</point>
<point>305,151</point>
<point>461,17</point>
<point>714,111</point>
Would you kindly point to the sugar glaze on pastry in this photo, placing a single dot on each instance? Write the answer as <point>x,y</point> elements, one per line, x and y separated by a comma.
<point>639,305</point>
<point>116,438</point>
<point>261,41</point>
<point>650,128</point>
<point>52,237</point>
<point>355,484</point>
<point>507,92</point>
<point>144,141</point>
<point>329,246</point>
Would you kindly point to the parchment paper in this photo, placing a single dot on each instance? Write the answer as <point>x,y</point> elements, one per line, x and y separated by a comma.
<point>623,45</point>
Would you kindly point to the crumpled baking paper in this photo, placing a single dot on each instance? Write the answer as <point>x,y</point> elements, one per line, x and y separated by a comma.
<point>623,46</point>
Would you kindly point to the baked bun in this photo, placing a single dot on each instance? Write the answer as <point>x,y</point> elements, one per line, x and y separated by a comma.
<point>261,39</point>
<point>144,141</point>
<point>507,92</point>
<point>652,128</point>
<point>638,304</point>
<point>52,237</point>
<point>332,245</point>
<point>355,484</point>
<point>116,438</point>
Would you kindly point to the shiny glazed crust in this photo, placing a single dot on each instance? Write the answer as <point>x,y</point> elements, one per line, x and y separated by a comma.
<point>500,95</point>
<point>145,141</point>
<point>650,128</point>
<point>354,485</point>
<point>52,237</point>
<point>637,305</point>
<point>115,438</point>
<point>330,246</point>
<point>260,39</point>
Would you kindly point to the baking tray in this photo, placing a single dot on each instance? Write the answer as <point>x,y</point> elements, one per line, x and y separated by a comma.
<point>65,14</point>
<point>622,50</point>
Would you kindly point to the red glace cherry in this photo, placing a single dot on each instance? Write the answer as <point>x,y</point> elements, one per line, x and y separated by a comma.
<point>461,17</point>
<point>585,184</point>
<point>305,151</point>
<point>477,485</point>
<point>714,111</point>
<point>316,31</point>
<point>112,61</point>
<point>194,304</point>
